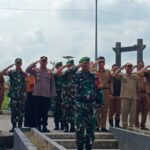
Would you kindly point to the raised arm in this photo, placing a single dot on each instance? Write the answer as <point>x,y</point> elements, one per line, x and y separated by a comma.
<point>116,73</point>
<point>134,67</point>
<point>31,69</point>
<point>94,64</point>
<point>5,71</point>
<point>143,70</point>
<point>59,71</point>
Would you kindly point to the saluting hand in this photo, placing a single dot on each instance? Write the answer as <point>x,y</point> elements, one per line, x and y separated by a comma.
<point>148,66</point>
<point>36,62</point>
<point>11,66</point>
<point>123,67</point>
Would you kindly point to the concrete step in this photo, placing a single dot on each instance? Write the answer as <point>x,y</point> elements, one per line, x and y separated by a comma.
<point>72,135</point>
<point>98,143</point>
<point>6,140</point>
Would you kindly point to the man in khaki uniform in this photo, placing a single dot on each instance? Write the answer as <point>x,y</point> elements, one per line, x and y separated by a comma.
<point>105,77</point>
<point>141,100</point>
<point>146,73</point>
<point>115,101</point>
<point>129,85</point>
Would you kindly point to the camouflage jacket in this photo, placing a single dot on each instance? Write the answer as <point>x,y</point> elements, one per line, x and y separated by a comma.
<point>58,84</point>
<point>17,83</point>
<point>68,84</point>
<point>86,88</point>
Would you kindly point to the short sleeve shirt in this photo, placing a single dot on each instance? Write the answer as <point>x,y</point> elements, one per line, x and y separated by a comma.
<point>147,75</point>
<point>129,86</point>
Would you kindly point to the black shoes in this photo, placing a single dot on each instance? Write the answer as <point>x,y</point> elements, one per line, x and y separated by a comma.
<point>80,147</point>
<point>66,127</point>
<point>111,123</point>
<point>104,130</point>
<point>56,128</point>
<point>39,128</point>
<point>72,128</point>
<point>117,122</point>
<point>12,130</point>
<point>45,129</point>
<point>144,128</point>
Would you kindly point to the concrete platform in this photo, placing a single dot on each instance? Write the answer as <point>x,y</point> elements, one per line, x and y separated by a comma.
<point>98,143</point>
<point>72,135</point>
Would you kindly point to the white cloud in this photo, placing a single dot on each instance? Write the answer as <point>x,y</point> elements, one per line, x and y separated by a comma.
<point>55,33</point>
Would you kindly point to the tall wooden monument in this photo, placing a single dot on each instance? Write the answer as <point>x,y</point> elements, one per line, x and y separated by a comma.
<point>139,48</point>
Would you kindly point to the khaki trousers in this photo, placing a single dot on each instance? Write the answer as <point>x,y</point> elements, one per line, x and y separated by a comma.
<point>115,107</point>
<point>141,106</point>
<point>128,107</point>
<point>102,113</point>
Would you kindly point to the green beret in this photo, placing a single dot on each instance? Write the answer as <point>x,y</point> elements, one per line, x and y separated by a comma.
<point>58,64</point>
<point>84,59</point>
<point>71,61</point>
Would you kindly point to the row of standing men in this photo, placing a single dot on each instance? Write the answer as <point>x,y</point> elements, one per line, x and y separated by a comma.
<point>128,92</point>
<point>121,92</point>
<point>84,90</point>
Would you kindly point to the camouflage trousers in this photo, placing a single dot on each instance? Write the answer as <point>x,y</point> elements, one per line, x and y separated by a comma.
<point>57,110</point>
<point>68,113</point>
<point>17,109</point>
<point>85,122</point>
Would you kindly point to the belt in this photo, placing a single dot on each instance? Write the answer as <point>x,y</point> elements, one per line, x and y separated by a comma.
<point>142,91</point>
<point>105,88</point>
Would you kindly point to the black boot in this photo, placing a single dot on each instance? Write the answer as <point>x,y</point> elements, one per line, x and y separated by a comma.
<point>111,123</point>
<point>13,126</point>
<point>20,125</point>
<point>39,128</point>
<point>72,128</point>
<point>117,121</point>
<point>61,126</point>
<point>79,147</point>
<point>56,126</point>
<point>66,127</point>
<point>88,146</point>
<point>45,129</point>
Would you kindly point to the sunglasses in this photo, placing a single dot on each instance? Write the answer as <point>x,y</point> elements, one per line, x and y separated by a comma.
<point>44,60</point>
<point>101,62</point>
<point>130,66</point>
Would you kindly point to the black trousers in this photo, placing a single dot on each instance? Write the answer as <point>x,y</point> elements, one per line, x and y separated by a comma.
<point>30,112</point>
<point>42,105</point>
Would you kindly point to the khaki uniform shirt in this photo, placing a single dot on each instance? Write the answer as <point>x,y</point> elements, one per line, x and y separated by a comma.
<point>105,77</point>
<point>147,75</point>
<point>129,86</point>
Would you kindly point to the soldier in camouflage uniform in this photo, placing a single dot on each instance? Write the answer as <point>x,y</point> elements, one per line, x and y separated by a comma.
<point>68,95</point>
<point>85,105</point>
<point>16,93</point>
<point>57,101</point>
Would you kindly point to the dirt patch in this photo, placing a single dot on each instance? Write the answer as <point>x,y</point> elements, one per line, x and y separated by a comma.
<point>36,141</point>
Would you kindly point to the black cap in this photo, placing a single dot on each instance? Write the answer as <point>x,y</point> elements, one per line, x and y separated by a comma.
<point>58,64</point>
<point>43,58</point>
<point>71,62</point>
<point>101,58</point>
<point>18,60</point>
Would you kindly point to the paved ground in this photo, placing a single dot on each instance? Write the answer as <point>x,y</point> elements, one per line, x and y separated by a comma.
<point>5,124</point>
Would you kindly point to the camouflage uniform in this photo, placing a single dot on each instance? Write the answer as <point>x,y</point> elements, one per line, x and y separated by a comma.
<point>85,108</point>
<point>68,97</point>
<point>17,96</point>
<point>57,103</point>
